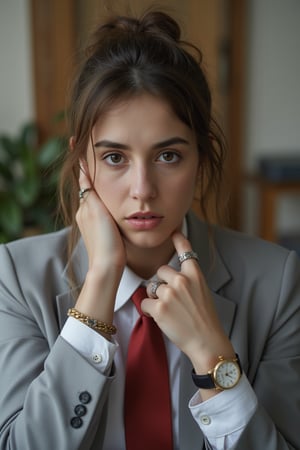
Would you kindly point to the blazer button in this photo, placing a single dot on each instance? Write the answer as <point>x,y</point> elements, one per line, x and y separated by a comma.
<point>85,397</point>
<point>80,410</point>
<point>76,422</point>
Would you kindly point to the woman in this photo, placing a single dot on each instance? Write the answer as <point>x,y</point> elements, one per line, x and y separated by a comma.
<point>142,139</point>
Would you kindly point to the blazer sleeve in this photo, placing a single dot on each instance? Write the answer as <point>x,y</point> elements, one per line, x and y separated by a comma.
<point>275,423</point>
<point>50,398</point>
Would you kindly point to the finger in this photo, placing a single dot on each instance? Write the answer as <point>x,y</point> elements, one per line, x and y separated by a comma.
<point>166,273</point>
<point>182,245</point>
<point>85,185</point>
<point>84,180</point>
<point>148,306</point>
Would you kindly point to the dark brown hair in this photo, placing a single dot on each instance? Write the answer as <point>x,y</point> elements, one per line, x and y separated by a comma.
<point>126,57</point>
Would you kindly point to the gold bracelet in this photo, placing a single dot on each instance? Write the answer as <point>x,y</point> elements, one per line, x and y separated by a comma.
<point>92,323</point>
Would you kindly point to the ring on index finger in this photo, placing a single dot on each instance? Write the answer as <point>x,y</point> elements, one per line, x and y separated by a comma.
<point>82,191</point>
<point>154,286</point>
<point>187,255</point>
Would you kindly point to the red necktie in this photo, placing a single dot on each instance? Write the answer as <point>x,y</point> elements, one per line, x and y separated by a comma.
<point>148,412</point>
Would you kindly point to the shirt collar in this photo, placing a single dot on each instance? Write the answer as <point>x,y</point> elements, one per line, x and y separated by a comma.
<point>130,281</point>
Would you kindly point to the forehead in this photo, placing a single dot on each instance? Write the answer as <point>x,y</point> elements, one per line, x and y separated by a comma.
<point>144,115</point>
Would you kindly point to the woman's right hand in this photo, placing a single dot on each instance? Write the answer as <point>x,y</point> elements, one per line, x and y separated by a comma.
<point>99,231</point>
<point>106,253</point>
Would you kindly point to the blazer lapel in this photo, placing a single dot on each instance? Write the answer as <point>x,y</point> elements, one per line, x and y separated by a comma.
<point>217,276</point>
<point>213,268</point>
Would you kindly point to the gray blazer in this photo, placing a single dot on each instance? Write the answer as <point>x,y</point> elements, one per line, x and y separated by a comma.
<point>256,287</point>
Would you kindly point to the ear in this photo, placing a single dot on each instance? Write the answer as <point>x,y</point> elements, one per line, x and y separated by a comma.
<point>72,143</point>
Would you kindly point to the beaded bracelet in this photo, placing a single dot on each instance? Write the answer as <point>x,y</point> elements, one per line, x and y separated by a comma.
<point>92,323</point>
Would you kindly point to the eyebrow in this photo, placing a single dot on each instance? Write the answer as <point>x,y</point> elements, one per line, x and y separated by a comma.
<point>166,143</point>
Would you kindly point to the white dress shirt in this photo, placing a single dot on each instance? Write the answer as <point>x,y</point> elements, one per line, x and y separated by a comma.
<point>221,418</point>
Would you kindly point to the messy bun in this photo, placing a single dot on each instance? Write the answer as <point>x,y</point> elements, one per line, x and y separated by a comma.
<point>155,23</point>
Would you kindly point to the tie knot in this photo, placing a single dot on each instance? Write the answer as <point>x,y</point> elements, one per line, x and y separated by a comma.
<point>137,298</point>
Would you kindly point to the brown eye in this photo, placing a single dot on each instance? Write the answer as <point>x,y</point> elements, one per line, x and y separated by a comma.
<point>114,159</point>
<point>169,157</point>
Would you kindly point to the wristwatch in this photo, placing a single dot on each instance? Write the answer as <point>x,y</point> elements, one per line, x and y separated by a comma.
<point>225,375</point>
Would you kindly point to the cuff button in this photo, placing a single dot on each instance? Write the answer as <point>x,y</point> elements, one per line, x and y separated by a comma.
<point>85,397</point>
<point>76,422</point>
<point>205,420</point>
<point>97,359</point>
<point>80,410</point>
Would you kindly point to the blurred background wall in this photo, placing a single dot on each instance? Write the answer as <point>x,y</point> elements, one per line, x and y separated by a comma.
<point>272,102</point>
<point>16,81</point>
<point>265,71</point>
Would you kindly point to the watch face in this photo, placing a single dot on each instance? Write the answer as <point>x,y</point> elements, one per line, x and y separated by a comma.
<point>226,374</point>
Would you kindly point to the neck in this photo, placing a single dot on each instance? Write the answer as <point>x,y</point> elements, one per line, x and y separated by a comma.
<point>146,261</point>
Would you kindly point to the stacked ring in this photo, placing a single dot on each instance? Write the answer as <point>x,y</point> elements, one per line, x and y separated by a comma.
<point>154,287</point>
<point>187,255</point>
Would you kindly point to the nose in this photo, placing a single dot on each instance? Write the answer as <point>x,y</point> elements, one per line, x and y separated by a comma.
<point>143,184</point>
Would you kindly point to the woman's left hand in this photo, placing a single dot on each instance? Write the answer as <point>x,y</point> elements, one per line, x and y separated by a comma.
<point>185,312</point>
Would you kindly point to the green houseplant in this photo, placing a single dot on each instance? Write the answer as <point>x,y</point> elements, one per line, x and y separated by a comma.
<point>28,183</point>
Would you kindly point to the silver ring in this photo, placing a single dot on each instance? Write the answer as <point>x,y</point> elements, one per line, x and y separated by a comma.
<point>82,192</point>
<point>187,255</point>
<point>154,286</point>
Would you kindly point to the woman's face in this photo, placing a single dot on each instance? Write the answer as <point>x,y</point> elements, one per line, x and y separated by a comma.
<point>146,166</point>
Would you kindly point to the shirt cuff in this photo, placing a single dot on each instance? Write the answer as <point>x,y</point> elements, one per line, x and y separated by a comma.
<point>226,413</point>
<point>91,345</point>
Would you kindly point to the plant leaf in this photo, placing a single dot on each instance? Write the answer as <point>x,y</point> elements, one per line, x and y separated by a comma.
<point>50,151</point>
<point>5,174</point>
<point>8,147</point>
<point>11,217</point>
<point>29,135</point>
<point>27,191</point>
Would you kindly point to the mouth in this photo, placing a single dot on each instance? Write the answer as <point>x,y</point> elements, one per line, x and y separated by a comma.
<point>144,220</point>
<point>144,216</point>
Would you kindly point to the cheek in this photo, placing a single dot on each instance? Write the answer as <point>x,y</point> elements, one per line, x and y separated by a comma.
<point>185,184</point>
<point>183,193</point>
<point>110,190</point>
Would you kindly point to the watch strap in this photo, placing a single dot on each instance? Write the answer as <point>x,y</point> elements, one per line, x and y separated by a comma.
<point>203,381</point>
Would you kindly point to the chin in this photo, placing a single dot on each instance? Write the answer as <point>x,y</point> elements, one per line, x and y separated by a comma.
<point>144,241</point>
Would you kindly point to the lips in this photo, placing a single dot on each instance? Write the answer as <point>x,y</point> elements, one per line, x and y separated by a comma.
<point>144,216</point>
<point>144,220</point>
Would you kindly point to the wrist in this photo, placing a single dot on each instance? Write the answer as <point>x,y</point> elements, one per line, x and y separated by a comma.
<point>98,294</point>
<point>95,324</point>
<point>224,375</point>
<point>203,358</point>
<point>100,274</point>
